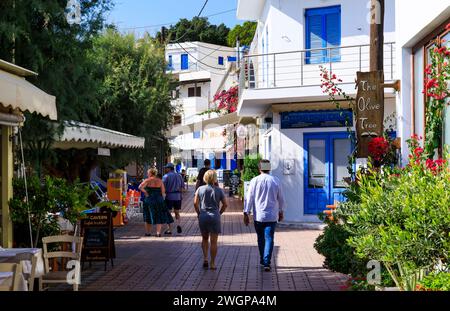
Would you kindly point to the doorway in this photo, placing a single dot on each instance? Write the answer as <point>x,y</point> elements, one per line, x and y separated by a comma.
<point>326,166</point>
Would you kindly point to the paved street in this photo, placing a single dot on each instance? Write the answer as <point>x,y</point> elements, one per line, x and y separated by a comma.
<point>175,263</point>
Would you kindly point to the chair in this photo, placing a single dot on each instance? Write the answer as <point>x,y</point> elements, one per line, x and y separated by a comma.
<point>53,277</point>
<point>16,270</point>
<point>29,277</point>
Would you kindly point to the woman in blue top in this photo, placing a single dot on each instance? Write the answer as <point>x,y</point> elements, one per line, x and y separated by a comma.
<point>206,202</point>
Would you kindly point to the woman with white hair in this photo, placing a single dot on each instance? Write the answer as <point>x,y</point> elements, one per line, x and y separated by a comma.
<point>207,203</point>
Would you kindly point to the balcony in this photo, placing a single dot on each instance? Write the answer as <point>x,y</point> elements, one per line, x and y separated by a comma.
<point>301,68</point>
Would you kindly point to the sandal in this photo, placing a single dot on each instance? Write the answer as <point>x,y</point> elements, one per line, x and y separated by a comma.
<point>148,234</point>
<point>205,264</point>
<point>168,232</point>
<point>158,235</point>
<point>213,267</point>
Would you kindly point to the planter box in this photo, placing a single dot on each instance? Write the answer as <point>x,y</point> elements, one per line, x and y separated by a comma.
<point>387,289</point>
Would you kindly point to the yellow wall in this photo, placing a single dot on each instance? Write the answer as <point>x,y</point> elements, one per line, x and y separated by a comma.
<point>6,185</point>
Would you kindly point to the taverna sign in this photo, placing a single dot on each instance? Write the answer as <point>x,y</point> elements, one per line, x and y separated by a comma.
<point>369,109</point>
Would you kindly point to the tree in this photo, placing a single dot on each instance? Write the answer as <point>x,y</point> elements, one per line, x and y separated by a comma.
<point>36,35</point>
<point>197,29</point>
<point>135,91</point>
<point>244,33</point>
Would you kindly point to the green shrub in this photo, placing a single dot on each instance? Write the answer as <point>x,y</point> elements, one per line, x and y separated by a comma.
<point>46,198</point>
<point>438,281</point>
<point>402,218</point>
<point>339,256</point>
<point>251,167</point>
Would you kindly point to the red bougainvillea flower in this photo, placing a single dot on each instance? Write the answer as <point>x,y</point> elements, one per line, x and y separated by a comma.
<point>378,148</point>
<point>418,152</point>
<point>447,27</point>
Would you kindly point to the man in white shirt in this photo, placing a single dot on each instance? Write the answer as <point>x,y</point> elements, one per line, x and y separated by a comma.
<point>265,200</point>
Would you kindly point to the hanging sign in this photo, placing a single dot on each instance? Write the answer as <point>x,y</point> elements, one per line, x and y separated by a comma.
<point>104,152</point>
<point>369,109</point>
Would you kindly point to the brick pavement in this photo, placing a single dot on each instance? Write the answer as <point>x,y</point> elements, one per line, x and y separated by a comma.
<point>175,262</point>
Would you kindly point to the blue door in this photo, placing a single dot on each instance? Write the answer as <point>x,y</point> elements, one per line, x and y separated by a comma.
<point>326,161</point>
<point>184,62</point>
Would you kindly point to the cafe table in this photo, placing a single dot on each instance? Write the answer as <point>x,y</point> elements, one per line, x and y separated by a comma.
<point>8,255</point>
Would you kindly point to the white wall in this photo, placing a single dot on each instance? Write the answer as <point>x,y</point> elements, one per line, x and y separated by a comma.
<point>288,144</point>
<point>284,20</point>
<point>415,19</point>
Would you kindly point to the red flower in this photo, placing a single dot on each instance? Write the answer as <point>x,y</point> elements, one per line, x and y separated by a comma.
<point>378,148</point>
<point>418,152</point>
<point>447,27</point>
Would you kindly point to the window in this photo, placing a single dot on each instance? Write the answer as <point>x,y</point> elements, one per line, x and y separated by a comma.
<point>196,135</point>
<point>170,63</point>
<point>184,62</point>
<point>323,30</point>
<point>220,60</point>
<point>421,58</point>
<point>195,92</point>
<point>232,58</point>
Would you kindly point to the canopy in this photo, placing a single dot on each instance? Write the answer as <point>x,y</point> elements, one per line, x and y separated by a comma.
<point>81,136</point>
<point>19,94</point>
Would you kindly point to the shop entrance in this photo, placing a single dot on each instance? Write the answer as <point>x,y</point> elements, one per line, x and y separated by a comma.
<point>326,161</point>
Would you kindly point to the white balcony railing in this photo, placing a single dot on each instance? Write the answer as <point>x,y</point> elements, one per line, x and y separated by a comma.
<point>301,68</point>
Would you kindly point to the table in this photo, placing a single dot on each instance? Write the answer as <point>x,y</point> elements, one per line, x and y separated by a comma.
<point>6,279</point>
<point>9,255</point>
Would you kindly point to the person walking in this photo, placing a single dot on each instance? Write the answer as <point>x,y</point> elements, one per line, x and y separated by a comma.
<point>201,174</point>
<point>155,211</point>
<point>207,201</point>
<point>265,200</point>
<point>173,183</point>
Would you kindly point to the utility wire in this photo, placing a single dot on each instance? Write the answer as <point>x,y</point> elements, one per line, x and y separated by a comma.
<point>171,23</point>
<point>198,15</point>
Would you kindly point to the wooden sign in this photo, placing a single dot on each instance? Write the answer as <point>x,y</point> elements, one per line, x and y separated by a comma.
<point>98,241</point>
<point>369,109</point>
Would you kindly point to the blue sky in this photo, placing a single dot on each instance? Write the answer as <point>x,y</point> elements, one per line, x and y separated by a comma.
<point>142,13</point>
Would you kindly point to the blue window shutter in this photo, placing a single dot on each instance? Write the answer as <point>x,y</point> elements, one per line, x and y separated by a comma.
<point>220,60</point>
<point>232,58</point>
<point>184,62</point>
<point>314,39</point>
<point>322,30</point>
<point>170,65</point>
<point>333,34</point>
<point>196,135</point>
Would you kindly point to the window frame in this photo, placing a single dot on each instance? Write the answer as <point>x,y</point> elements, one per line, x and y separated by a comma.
<point>323,12</point>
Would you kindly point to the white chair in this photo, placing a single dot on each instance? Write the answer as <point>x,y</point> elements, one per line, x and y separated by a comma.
<point>29,277</point>
<point>53,277</point>
<point>15,270</point>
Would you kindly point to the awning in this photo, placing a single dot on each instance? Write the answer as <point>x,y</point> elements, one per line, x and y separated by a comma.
<point>79,135</point>
<point>18,93</point>
<point>230,118</point>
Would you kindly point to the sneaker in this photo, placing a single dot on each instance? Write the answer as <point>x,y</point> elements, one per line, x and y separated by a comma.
<point>267,269</point>
<point>168,232</point>
<point>148,234</point>
<point>179,229</point>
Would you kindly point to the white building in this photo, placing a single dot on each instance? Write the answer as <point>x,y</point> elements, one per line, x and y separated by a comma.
<point>420,26</point>
<point>302,133</point>
<point>201,70</point>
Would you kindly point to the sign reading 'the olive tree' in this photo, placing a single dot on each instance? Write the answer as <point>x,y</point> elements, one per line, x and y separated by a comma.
<point>369,109</point>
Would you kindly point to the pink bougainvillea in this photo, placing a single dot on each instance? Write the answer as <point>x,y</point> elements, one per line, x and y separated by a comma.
<point>227,101</point>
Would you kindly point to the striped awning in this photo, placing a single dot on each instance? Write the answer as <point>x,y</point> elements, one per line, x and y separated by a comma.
<point>79,135</point>
<point>19,94</point>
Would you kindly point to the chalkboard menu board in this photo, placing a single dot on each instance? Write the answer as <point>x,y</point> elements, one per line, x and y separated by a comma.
<point>235,181</point>
<point>98,238</point>
<point>226,178</point>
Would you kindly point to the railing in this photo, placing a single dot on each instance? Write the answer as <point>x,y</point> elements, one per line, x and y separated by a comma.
<point>176,67</point>
<point>301,68</point>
